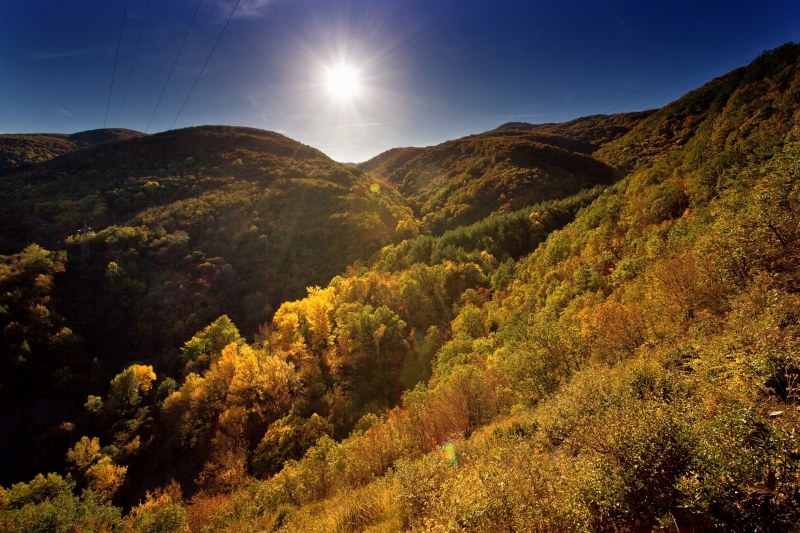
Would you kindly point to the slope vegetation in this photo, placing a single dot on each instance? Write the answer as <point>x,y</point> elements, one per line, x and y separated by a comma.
<point>389,161</point>
<point>24,149</point>
<point>185,226</point>
<point>463,181</point>
<point>587,134</point>
<point>638,372</point>
<point>252,213</point>
<point>518,164</point>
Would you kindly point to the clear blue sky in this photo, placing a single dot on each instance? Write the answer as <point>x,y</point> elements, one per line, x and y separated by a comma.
<point>430,70</point>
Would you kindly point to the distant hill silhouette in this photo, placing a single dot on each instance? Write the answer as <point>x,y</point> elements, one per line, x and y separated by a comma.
<point>26,148</point>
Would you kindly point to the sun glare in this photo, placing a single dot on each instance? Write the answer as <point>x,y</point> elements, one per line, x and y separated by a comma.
<point>342,82</point>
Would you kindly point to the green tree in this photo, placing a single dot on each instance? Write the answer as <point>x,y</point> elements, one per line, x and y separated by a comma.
<point>206,345</point>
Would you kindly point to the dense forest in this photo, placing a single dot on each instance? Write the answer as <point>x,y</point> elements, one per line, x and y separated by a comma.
<point>588,326</point>
<point>25,149</point>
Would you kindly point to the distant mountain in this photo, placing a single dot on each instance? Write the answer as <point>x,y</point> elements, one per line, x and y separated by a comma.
<point>387,162</point>
<point>26,148</point>
<point>462,181</point>
<point>185,226</point>
<point>586,134</point>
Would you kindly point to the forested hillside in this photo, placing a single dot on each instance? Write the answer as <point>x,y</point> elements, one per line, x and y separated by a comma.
<point>591,326</point>
<point>390,160</point>
<point>185,226</point>
<point>27,148</point>
<point>585,134</point>
<point>192,224</point>
<point>462,181</point>
<point>182,228</point>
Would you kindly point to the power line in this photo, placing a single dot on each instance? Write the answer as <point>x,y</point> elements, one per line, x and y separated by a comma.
<point>116,58</point>
<point>133,63</point>
<point>171,70</point>
<point>206,63</point>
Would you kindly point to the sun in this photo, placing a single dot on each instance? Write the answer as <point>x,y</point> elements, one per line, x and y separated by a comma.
<point>343,82</point>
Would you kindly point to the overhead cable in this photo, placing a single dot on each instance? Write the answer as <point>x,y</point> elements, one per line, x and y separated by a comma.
<point>133,63</point>
<point>172,69</point>
<point>206,63</point>
<point>116,58</point>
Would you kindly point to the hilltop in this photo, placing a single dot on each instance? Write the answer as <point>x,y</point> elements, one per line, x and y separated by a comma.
<point>269,215</point>
<point>745,115</point>
<point>465,180</point>
<point>27,148</point>
<point>587,134</point>
<point>387,162</point>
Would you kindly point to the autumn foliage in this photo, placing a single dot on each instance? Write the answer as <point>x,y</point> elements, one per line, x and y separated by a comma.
<point>621,359</point>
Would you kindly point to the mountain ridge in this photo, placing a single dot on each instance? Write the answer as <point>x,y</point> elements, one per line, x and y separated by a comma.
<point>463,180</point>
<point>20,149</point>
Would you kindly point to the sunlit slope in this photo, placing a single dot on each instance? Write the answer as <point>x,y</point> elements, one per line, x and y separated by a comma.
<point>387,162</point>
<point>637,373</point>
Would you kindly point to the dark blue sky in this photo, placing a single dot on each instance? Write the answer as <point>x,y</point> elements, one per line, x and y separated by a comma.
<point>430,70</point>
